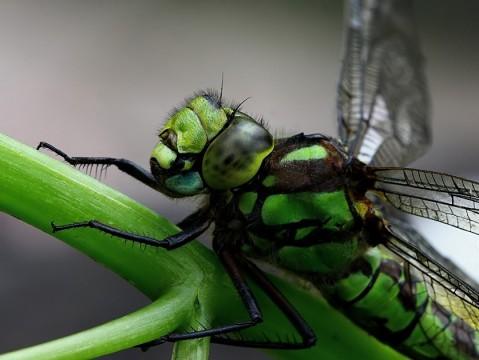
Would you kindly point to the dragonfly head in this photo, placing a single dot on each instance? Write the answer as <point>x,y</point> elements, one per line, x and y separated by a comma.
<point>205,147</point>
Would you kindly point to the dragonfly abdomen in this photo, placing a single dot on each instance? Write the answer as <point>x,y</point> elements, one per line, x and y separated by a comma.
<point>388,300</point>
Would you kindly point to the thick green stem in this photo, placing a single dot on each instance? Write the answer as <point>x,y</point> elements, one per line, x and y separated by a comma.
<point>38,189</point>
<point>198,349</point>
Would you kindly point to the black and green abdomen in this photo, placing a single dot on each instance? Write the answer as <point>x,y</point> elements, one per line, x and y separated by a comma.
<point>393,303</point>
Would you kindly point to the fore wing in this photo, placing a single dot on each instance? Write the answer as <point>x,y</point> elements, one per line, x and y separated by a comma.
<point>445,198</point>
<point>382,100</point>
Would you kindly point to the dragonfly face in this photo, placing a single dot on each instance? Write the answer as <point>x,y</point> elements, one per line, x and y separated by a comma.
<point>204,146</point>
<point>175,174</point>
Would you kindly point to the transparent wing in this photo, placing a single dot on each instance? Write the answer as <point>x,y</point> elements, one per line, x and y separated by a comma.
<point>445,198</point>
<point>444,282</point>
<point>382,99</point>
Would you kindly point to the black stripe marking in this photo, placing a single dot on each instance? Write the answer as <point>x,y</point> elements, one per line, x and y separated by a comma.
<point>400,336</point>
<point>366,290</point>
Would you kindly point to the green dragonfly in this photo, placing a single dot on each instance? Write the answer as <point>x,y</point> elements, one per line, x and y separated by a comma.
<point>323,208</point>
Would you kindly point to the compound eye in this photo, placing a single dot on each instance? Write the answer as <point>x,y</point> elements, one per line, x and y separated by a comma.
<point>236,154</point>
<point>169,138</point>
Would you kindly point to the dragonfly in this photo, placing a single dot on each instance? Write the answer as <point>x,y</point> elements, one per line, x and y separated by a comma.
<point>326,209</point>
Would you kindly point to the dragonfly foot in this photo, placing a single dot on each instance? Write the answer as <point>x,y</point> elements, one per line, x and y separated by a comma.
<point>146,346</point>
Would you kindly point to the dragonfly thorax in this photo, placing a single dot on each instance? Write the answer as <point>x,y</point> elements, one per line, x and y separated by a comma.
<point>300,208</point>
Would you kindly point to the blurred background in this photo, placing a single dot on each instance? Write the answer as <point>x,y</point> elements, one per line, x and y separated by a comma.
<point>99,78</point>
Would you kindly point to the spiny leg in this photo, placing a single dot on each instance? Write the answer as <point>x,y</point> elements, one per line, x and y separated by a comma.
<point>127,166</point>
<point>307,334</point>
<point>231,266</point>
<point>193,226</point>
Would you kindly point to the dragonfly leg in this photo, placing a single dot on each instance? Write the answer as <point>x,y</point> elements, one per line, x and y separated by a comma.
<point>199,216</point>
<point>232,268</point>
<point>307,334</point>
<point>197,223</point>
<point>127,166</point>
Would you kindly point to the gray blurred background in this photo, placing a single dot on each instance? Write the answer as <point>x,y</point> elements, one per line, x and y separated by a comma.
<point>99,78</point>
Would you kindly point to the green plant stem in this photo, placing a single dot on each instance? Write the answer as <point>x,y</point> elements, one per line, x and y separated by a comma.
<point>198,349</point>
<point>37,189</point>
<point>155,320</point>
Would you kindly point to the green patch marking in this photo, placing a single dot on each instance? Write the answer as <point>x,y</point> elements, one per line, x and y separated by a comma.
<point>269,181</point>
<point>351,286</point>
<point>331,209</point>
<point>187,183</point>
<point>314,152</point>
<point>247,201</point>
<point>303,232</point>
<point>382,301</point>
<point>322,258</point>
<point>348,289</point>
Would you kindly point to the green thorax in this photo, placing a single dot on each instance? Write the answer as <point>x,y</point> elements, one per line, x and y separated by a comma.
<point>298,211</point>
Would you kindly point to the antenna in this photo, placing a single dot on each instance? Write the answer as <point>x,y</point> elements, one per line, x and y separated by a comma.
<point>221,89</point>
